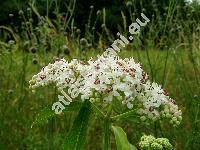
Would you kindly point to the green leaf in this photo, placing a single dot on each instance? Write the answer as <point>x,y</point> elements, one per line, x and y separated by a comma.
<point>47,113</point>
<point>121,139</point>
<point>77,135</point>
<point>132,147</point>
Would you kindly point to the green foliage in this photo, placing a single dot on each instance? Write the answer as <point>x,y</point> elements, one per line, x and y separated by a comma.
<point>174,27</point>
<point>47,113</point>
<point>121,139</point>
<point>76,137</point>
<point>10,6</point>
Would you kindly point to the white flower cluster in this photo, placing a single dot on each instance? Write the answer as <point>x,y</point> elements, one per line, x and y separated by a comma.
<point>151,143</point>
<point>61,73</point>
<point>110,78</point>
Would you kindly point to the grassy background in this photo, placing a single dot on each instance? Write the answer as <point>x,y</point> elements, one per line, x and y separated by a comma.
<point>168,48</point>
<point>173,69</point>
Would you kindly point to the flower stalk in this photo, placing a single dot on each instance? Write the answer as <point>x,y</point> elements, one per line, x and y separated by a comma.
<point>106,134</point>
<point>98,111</point>
<point>106,129</point>
<point>123,115</point>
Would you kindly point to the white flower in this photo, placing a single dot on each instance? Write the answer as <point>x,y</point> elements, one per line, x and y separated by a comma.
<point>112,78</point>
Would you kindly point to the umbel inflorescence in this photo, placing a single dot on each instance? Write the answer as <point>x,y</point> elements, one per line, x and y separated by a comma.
<point>151,143</point>
<point>110,78</point>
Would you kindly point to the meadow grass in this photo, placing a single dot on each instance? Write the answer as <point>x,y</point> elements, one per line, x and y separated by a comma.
<point>169,53</point>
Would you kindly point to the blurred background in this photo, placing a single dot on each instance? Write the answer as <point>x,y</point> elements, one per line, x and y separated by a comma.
<point>35,32</point>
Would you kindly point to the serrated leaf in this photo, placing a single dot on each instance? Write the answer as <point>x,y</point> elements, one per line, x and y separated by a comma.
<point>121,139</point>
<point>77,135</point>
<point>47,113</point>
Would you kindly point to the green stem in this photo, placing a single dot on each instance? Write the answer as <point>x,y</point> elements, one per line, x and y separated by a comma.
<point>109,111</point>
<point>97,110</point>
<point>106,125</point>
<point>123,115</point>
<point>106,134</point>
<point>106,129</point>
